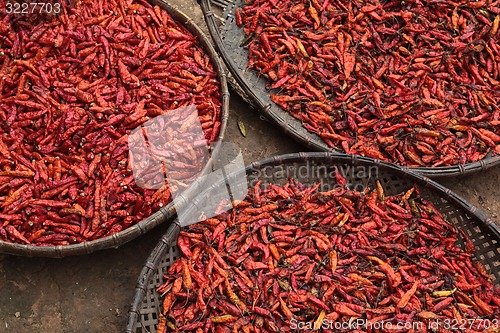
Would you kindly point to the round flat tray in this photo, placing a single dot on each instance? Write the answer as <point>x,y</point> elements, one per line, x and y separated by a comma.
<point>166,213</point>
<point>228,37</point>
<point>484,233</point>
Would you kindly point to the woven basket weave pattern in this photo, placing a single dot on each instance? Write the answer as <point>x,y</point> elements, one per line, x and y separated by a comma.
<point>228,37</point>
<point>482,231</point>
<point>167,212</point>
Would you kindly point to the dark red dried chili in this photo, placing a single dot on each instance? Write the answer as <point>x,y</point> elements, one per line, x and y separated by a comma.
<point>408,70</point>
<point>73,86</point>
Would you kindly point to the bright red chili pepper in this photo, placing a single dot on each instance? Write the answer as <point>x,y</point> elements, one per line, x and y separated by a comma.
<point>308,270</point>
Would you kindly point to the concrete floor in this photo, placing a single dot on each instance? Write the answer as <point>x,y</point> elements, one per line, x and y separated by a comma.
<point>92,293</point>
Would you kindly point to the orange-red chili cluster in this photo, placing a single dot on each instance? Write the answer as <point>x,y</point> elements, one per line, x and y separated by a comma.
<point>72,87</point>
<point>291,254</point>
<point>411,82</point>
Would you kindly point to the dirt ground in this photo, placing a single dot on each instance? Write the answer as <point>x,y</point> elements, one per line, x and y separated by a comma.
<point>92,293</point>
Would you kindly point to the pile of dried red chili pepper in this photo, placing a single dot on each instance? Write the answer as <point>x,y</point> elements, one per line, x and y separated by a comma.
<point>411,82</point>
<point>291,254</point>
<point>72,88</point>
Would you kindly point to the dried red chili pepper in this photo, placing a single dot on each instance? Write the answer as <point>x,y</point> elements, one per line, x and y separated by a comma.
<point>70,95</point>
<point>308,270</point>
<point>398,68</point>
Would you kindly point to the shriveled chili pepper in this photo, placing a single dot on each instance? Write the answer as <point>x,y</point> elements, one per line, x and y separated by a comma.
<point>71,95</point>
<point>310,268</point>
<point>354,73</point>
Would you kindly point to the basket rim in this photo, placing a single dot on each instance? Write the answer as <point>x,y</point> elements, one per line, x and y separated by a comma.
<point>293,127</point>
<point>165,213</point>
<point>357,160</point>
<point>170,237</point>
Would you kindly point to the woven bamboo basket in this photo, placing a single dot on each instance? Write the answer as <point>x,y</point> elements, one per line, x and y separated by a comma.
<point>227,36</point>
<point>166,213</point>
<point>359,171</point>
